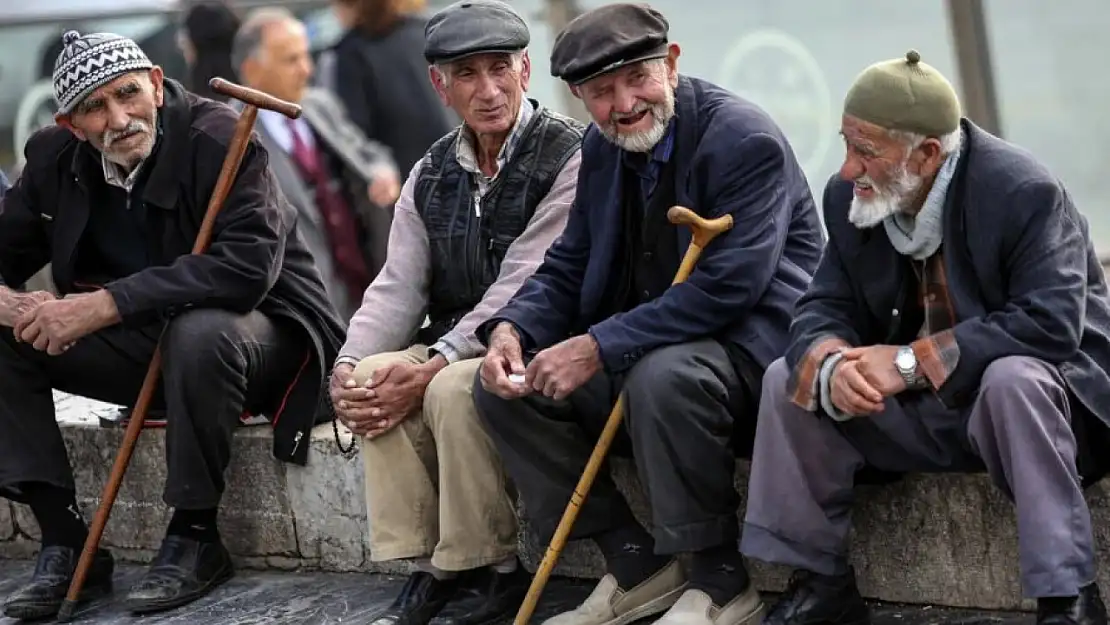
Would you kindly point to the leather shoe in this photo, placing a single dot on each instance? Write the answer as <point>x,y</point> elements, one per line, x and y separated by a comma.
<point>43,596</point>
<point>422,597</point>
<point>813,598</point>
<point>486,596</point>
<point>1086,609</point>
<point>183,571</point>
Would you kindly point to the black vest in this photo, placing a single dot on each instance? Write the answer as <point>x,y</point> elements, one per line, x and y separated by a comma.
<point>469,235</point>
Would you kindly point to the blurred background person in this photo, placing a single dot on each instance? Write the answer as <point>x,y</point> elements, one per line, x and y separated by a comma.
<point>378,69</point>
<point>205,36</point>
<point>340,182</point>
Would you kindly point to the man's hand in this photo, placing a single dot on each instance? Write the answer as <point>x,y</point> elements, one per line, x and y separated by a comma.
<point>351,401</point>
<point>55,325</point>
<point>14,304</point>
<point>385,188</point>
<point>850,391</point>
<point>560,369</point>
<point>876,363</point>
<point>503,358</point>
<point>397,392</point>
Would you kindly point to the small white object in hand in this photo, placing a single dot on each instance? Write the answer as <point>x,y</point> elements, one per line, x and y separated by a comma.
<point>516,378</point>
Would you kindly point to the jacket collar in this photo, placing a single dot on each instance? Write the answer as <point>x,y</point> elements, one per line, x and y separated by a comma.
<point>174,119</point>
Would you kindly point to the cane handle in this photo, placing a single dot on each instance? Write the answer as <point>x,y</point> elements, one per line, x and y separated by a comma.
<point>254,97</point>
<point>705,230</point>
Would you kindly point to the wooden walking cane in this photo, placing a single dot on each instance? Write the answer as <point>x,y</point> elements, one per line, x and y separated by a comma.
<point>704,231</point>
<point>254,100</point>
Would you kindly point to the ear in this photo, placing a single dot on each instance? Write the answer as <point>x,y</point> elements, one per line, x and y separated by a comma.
<point>157,78</point>
<point>575,91</point>
<point>525,70</point>
<point>932,157</point>
<point>440,86</point>
<point>65,121</point>
<point>673,52</point>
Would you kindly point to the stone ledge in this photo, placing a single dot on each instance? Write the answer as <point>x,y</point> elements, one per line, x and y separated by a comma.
<point>941,539</point>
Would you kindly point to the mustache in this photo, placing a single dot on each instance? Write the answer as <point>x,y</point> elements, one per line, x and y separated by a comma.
<point>134,126</point>
<point>637,108</point>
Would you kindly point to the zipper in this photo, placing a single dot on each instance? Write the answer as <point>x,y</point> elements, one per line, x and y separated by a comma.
<point>476,256</point>
<point>297,442</point>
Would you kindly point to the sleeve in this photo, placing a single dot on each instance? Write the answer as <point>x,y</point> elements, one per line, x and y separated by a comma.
<point>521,260</point>
<point>245,256</point>
<point>395,302</point>
<point>24,245</point>
<point>1045,260</point>
<point>748,182</point>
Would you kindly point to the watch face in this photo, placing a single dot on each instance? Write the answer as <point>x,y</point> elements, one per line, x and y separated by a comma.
<point>905,360</point>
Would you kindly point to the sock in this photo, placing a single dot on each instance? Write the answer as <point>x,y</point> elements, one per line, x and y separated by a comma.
<point>58,516</point>
<point>506,566</point>
<point>629,552</point>
<point>720,573</point>
<point>199,525</point>
<point>425,564</point>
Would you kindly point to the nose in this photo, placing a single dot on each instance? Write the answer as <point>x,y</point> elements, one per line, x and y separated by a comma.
<point>624,100</point>
<point>487,87</point>
<point>852,168</point>
<point>117,116</point>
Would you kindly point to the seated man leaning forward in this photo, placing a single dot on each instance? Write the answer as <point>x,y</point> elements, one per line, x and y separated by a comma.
<point>958,322</point>
<point>600,313</point>
<point>113,196</point>
<point>474,219</point>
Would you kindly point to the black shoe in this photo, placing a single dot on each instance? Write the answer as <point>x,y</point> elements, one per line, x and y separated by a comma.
<point>486,596</point>
<point>183,571</point>
<point>43,596</point>
<point>422,597</point>
<point>811,598</point>
<point>1086,609</point>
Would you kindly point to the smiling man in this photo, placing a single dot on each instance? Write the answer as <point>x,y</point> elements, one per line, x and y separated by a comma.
<point>601,314</point>
<point>958,322</point>
<point>113,197</point>
<point>474,219</point>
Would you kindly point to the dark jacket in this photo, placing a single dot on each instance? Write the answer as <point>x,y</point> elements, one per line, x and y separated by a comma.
<point>4,184</point>
<point>1023,277</point>
<point>256,259</point>
<point>731,159</point>
<point>383,83</point>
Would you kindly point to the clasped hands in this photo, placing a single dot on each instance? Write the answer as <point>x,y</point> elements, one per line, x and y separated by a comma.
<point>53,325</point>
<point>864,378</point>
<point>390,395</point>
<point>555,372</point>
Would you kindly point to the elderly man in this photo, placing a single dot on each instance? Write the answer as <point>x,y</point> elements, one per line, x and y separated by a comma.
<point>113,196</point>
<point>475,217</point>
<point>341,183</point>
<point>958,321</point>
<point>600,313</point>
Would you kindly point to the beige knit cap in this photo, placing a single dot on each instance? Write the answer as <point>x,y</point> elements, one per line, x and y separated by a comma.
<point>905,94</point>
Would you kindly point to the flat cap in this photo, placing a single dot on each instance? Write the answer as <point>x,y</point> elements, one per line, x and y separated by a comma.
<point>473,27</point>
<point>608,38</point>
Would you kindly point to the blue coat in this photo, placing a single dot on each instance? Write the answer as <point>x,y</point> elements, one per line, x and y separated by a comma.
<point>731,158</point>
<point>1023,278</point>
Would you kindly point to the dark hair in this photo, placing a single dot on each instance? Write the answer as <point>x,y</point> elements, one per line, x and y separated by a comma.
<point>378,17</point>
<point>210,25</point>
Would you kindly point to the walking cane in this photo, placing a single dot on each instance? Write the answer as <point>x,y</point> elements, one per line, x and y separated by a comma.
<point>704,231</point>
<point>254,100</point>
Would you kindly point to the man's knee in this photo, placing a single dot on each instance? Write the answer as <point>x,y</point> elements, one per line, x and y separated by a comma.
<point>679,374</point>
<point>368,365</point>
<point>1021,376</point>
<point>449,399</point>
<point>207,335</point>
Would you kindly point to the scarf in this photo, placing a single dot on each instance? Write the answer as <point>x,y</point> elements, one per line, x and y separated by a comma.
<point>919,236</point>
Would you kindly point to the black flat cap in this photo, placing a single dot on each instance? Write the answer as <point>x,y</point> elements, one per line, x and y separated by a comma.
<point>473,27</point>
<point>608,38</point>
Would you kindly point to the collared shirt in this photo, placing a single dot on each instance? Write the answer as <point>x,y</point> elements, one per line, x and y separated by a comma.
<point>467,153</point>
<point>115,174</point>
<point>281,128</point>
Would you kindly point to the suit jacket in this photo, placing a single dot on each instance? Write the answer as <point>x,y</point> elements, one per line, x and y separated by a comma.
<point>1023,279</point>
<point>355,160</point>
<point>731,158</point>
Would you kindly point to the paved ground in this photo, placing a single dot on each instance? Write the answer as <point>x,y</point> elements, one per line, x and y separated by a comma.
<point>256,598</point>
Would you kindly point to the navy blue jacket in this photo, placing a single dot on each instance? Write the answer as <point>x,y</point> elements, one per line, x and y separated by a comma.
<point>731,158</point>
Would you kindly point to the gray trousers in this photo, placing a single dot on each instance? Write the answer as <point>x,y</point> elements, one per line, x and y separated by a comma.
<point>1018,429</point>
<point>680,405</point>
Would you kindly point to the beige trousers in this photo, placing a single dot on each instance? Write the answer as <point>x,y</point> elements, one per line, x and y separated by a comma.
<point>434,484</point>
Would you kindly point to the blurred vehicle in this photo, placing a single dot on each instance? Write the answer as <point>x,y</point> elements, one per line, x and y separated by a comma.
<point>31,36</point>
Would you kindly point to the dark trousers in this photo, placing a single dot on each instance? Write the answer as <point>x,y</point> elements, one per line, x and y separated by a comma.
<point>215,365</point>
<point>681,402</point>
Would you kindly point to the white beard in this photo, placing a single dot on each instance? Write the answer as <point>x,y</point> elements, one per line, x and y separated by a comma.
<point>886,202</point>
<point>644,140</point>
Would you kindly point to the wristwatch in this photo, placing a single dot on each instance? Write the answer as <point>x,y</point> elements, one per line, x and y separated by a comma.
<point>905,361</point>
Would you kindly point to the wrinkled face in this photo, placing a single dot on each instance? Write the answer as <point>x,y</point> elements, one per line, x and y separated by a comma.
<point>282,66</point>
<point>633,105</point>
<point>120,118</point>
<point>890,174</point>
<point>485,89</point>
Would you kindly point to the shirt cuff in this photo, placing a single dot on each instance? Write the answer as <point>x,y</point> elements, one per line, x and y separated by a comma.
<point>444,349</point>
<point>937,356</point>
<point>349,360</point>
<point>825,377</point>
<point>803,388</point>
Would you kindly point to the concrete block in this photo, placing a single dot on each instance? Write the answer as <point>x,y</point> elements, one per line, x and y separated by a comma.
<point>7,524</point>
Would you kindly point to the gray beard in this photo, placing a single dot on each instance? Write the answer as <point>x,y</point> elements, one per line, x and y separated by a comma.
<point>865,214</point>
<point>646,140</point>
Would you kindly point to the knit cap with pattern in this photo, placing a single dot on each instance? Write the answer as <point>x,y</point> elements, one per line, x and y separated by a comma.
<point>905,94</point>
<point>88,62</point>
